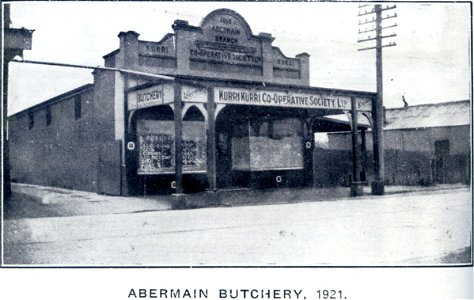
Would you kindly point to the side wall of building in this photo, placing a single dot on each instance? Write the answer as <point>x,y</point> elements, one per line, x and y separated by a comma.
<point>103,105</point>
<point>63,153</point>
<point>417,140</point>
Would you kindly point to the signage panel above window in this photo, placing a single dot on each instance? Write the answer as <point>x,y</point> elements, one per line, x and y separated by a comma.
<point>152,96</point>
<point>164,94</point>
<point>286,99</point>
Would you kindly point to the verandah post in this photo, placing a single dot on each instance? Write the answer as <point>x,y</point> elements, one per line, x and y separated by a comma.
<point>356,187</point>
<point>180,200</point>
<point>211,141</point>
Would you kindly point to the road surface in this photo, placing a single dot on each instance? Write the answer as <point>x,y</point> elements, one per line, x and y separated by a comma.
<point>404,229</point>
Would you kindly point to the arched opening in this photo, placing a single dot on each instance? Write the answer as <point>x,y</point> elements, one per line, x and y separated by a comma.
<point>194,151</point>
<point>153,130</point>
<point>193,114</point>
<point>260,147</point>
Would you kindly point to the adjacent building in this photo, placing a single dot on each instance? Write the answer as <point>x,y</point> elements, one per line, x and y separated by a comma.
<point>423,144</point>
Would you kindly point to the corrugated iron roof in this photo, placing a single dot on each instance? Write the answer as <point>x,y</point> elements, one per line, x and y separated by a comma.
<point>344,119</point>
<point>455,113</point>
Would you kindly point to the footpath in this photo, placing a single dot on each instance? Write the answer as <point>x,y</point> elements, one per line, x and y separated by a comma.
<point>34,201</point>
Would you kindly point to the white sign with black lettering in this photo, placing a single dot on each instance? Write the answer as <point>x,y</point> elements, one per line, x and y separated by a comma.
<point>193,94</point>
<point>151,96</point>
<point>285,99</point>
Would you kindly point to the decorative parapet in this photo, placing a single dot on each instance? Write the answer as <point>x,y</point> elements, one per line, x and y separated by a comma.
<point>223,46</point>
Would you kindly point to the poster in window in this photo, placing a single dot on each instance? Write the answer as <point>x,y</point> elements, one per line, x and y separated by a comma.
<point>156,144</point>
<point>271,154</point>
<point>271,145</point>
<point>194,146</point>
<point>279,147</point>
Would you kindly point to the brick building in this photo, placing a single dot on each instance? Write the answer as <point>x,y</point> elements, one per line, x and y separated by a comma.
<point>234,111</point>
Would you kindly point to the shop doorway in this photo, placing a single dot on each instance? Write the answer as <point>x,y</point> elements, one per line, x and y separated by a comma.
<point>227,129</point>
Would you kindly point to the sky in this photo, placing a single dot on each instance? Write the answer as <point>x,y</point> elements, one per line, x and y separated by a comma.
<point>430,64</point>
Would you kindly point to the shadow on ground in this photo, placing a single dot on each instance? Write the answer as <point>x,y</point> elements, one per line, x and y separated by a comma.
<point>24,206</point>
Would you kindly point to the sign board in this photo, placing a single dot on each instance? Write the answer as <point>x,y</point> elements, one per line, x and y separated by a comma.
<point>280,99</point>
<point>164,94</point>
<point>364,104</point>
<point>151,96</point>
<point>193,94</point>
<point>285,99</point>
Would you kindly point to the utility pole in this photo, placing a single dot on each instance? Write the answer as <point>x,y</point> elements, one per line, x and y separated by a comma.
<point>377,106</point>
<point>15,41</point>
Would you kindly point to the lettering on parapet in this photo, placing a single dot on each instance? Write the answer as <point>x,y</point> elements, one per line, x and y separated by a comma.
<point>225,39</point>
<point>225,20</point>
<point>226,30</point>
<point>225,56</point>
<point>156,48</point>
<point>285,62</point>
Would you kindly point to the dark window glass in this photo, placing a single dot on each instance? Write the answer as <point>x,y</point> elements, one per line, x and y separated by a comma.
<point>31,120</point>
<point>442,148</point>
<point>48,116</point>
<point>78,107</point>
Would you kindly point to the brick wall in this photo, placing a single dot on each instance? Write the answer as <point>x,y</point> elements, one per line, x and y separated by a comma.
<point>63,153</point>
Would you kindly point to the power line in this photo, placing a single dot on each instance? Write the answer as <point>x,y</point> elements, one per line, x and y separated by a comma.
<point>125,71</point>
<point>378,27</point>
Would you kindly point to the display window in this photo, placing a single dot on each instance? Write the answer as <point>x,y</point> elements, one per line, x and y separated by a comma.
<point>194,147</point>
<point>156,145</point>
<point>268,144</point>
